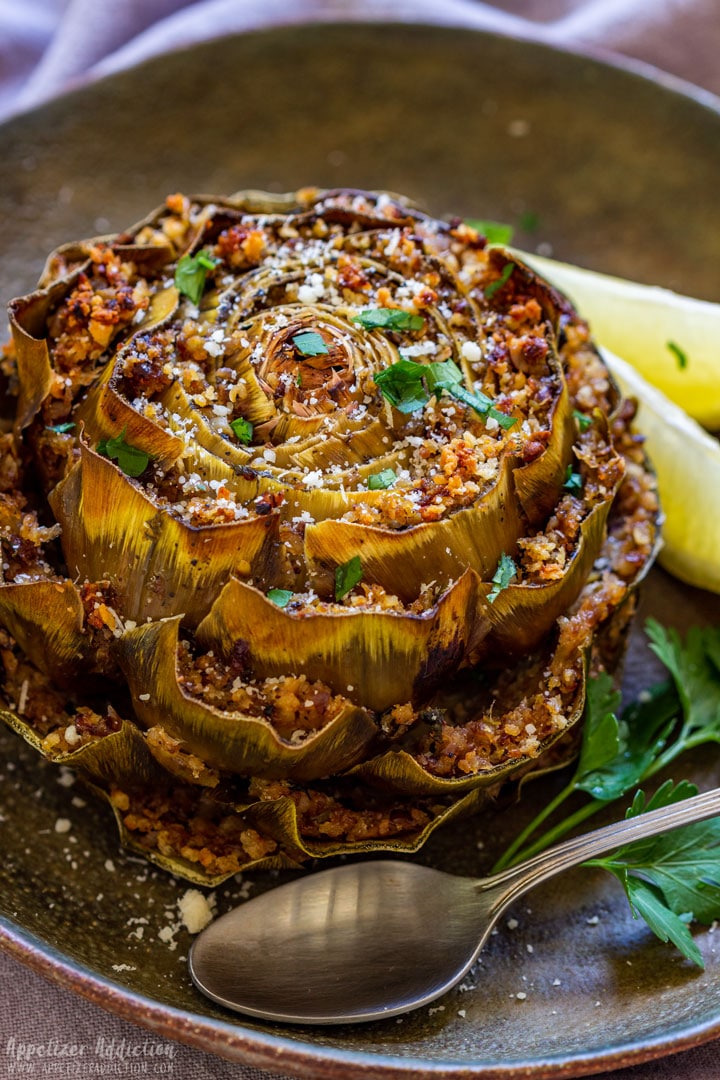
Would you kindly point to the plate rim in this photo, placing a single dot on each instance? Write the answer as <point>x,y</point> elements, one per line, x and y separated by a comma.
<point>282,1052</point>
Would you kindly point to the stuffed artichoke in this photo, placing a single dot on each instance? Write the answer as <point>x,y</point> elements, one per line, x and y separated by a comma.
<point>316,514</point>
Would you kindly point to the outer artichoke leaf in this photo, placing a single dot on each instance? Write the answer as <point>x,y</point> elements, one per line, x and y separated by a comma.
<point>522,614</point>
<point>161,566</point>
<point>233,741</point>
<point>401,561</point>
<point>46,619</point>
<point>399,770</point>
<point>105,413</point>
<point>385,657</point>
<point>36,377</point>
<point>279,818</point>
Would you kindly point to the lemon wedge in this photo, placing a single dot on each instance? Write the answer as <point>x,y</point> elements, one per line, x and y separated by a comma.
<point>687,462</point>
<point>672,340</point>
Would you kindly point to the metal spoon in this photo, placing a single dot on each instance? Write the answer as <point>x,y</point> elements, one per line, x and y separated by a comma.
<point>373,939</point>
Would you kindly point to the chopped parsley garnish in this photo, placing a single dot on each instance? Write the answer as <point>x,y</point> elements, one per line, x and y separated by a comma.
<point>379,480</point>
<point>679,354</point>
<point>573,480</point>
<point>242,430</point>
<point>389,319</point>
<point>347,576</point>
<point>583,421</point>
<point>309,343</point>
<point>280,597</point>
<point>496,285</point>
<point>409,386</point>
<point>191,273</point>
<point>60,429</point>
<point>493,231</point>
<point>506,571</point>
<point>130,459</point>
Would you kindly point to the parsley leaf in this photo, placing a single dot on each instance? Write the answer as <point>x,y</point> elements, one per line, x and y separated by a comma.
<point>310,343</point>
<point>695,676</point>
<point>389,319</point>
<point>679,354</point>
<point>60,429</point>
<point>408,386</point>
<point>499,282</point>
<point>493,231</point>
<point>380,480</point>
<point>130,459</point>
<point>242,429</point>
<point>573,480</point>
<point>583,421</point>
<point>506,571</point>
<point>402,385</point>
<point>347,576</point>
<point>679,870</point>
<point>280,597</point>
<point>191,273</point>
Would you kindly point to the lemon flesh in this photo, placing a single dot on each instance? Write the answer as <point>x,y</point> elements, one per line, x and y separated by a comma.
<point>687,462</point>
<point>640,322</point>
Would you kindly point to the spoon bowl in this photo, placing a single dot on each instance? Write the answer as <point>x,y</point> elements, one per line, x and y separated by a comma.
<point>370,940</point>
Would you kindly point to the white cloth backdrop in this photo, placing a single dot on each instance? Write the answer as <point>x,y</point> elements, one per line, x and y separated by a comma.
<point>47,46</point>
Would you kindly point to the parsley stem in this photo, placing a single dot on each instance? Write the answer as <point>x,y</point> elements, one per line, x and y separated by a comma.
<point>513,856</point>
<point>507,858</point>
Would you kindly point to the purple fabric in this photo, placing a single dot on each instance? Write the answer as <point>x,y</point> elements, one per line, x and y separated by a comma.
<point>47,46</point>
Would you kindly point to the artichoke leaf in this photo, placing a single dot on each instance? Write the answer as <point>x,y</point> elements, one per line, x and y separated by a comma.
<point>377,658</point>
<point>106,413</point>
<point>279,818</point>
<point>402,560</point>
<point>160,566</point>
<point>233,741</point>
<point>522,614</point>
<point>36,377</point>
<point>46,619</point>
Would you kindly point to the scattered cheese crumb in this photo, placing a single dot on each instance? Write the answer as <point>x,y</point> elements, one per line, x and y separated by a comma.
<point>196,910</point>
<point>63,825</point>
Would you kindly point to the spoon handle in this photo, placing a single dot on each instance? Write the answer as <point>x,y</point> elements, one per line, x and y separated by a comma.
<point>520,878</point>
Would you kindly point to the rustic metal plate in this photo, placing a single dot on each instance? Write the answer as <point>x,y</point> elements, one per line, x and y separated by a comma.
<point>621,174</point>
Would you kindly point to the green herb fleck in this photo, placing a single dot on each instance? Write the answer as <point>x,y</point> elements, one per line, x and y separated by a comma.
<point>380,480</point>
<point>583,421</point>
<point>679,354</point>
<point>573,480</point>
<point>280,597</point>
<point>408,386</point>
<point>493,231</point>
<point>309,343</point>
<point>506,571</point>
<point>191,273</point>
<point>389,319</point>
<point>298,380</point>
<point>496,285</point>
<point>347,576</point>
<point>529,221</point>
<point>242,429</point>
<point>60,429</point>
<point>402,385</point>
<point>130,459</point>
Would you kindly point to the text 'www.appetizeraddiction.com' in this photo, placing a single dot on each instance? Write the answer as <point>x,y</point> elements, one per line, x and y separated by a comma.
<point>104,1057</point>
